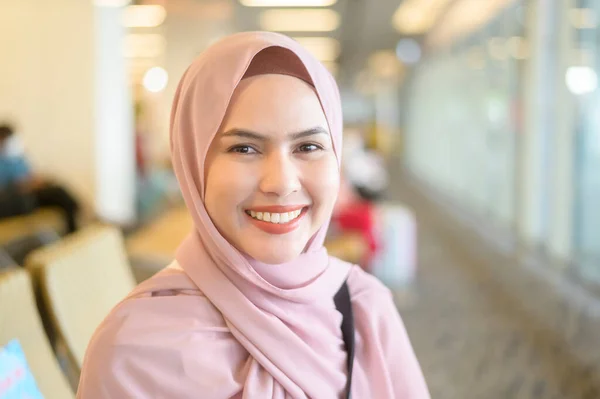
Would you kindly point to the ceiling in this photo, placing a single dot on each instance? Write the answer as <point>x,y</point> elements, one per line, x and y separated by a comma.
<point>366,25</point>
<point>364,29</point>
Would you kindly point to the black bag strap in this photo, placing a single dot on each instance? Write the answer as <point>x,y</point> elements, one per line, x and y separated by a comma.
<point>344,306</point>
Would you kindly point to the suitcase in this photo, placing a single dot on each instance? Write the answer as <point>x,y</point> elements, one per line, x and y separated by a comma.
<point>395,263</point>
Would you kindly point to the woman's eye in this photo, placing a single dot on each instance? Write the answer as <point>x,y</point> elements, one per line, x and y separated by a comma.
<point>242,149</point>
<point>309,148</point>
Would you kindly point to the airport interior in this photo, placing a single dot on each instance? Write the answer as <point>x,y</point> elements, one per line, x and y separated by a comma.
<point>470,175</point>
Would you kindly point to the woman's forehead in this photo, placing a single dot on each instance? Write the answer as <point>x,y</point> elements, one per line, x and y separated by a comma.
<point>274,103</point>
<point>282,85</point>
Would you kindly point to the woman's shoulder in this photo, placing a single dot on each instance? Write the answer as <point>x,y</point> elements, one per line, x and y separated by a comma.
<point>163,328</point>
<point>166,302</point>
<point>366,288</point>
<point>373,303</point>
<point>167,307</point>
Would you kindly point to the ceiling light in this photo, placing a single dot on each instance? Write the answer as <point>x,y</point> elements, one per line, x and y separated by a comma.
<point>464,17</point>
<point>111,3</point>
<point>300,20</point>
<point>322,48</point>
<point>144,16</point>
<point>581,80</point>
<point>413,20</point>
<point>156,79</point>
<point>414,17</point>
<point>288,3</point>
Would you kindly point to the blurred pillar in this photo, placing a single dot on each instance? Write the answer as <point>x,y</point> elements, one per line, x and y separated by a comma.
<point>115,154</point>
<point>546,189</point>
<point>561,163</point>
<point>533,179</point>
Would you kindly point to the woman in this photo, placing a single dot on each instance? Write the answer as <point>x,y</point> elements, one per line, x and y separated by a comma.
<point>247,309</point>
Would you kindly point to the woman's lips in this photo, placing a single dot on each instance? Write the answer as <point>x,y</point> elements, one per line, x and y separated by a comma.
<point>277,219</point>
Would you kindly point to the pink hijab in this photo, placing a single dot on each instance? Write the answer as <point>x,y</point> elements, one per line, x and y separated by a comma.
<point>235,327</point>
<point>264,306</point>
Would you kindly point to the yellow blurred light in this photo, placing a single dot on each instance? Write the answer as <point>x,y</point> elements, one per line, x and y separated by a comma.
<point>140,65</point>
<point>111,3</point>
<point>497,48</point>
<point>517,47</point>
<point>583,18</point>
<point>385,64</point>
<point>213,11</point>
<point>414,17</point>
<point>300,20</point>
<point>332,67</point>
<point>463,17</point>
<point>137,68</point>
<point>146,45</point>
<point>322,48</point>
<point>143,16</point>
<point>412,20</point>
<point>287,3</point>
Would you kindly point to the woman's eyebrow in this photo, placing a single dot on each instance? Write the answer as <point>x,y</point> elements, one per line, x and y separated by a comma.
<point>247,134</point>
<point>307,133</point>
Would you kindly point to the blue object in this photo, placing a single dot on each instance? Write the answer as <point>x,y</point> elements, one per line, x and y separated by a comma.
<point>16,380</point>
<point>13,169</point>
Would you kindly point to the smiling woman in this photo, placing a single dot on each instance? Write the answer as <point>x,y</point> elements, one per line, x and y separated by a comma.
<point>253,306</point>
<point>272,160</point>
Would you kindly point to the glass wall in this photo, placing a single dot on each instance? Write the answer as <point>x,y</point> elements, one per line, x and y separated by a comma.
<point>582,81</point>
<point>465,117</point>
<point>506,122</point>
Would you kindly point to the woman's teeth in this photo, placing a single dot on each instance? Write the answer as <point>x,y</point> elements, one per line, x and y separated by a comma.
<point>277,218</point>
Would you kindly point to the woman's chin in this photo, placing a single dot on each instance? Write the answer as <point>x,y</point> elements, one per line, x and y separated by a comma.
<point>274,258</point>
<point>273,249</point>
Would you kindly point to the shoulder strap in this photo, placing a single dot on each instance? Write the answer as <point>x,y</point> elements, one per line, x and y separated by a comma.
<point>344,306</point>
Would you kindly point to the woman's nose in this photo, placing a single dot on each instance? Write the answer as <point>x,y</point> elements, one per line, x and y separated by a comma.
<point>279,176</point>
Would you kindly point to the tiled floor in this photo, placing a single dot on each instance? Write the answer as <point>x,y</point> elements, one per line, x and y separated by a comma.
<point>484,327</point>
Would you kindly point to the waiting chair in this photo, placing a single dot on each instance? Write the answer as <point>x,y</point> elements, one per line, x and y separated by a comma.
<point>81,279</point>
<point>19,319</point>
<point>42,221</point>
<point>153,246</point>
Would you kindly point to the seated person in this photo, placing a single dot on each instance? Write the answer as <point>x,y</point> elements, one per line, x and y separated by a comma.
<point>21,192</point>
<point>353,234</point>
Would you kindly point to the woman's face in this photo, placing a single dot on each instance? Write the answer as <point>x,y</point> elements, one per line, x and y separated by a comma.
<point>271,172</point>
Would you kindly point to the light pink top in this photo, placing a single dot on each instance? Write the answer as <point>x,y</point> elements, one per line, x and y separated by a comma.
<point>179,346</point>
<point>222,325</point>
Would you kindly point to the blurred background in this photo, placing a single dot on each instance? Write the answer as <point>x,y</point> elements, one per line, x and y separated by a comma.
<point>471,172</point>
